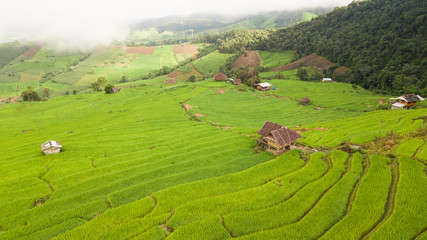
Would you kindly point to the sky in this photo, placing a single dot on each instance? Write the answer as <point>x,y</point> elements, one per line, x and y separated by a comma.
<point>89,23</point>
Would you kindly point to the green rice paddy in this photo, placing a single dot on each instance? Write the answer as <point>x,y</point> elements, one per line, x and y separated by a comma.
<point>178,162</point>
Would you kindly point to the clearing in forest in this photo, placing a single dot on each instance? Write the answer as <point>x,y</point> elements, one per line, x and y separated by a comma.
<point>311,60</point>
<point>248,59</point>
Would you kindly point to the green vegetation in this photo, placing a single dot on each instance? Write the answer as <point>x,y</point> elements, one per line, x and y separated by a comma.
<point>410,147</point>
<point>271,59</point>
<point>10,51</point>
<point>211,63</point>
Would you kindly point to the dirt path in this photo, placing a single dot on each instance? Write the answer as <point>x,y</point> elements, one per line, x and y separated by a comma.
<point>195,69</point>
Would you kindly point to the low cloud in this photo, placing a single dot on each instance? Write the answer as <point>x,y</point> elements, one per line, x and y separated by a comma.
<point>83,24</point>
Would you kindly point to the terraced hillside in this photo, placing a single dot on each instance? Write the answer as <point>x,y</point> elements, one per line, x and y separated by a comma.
<point>62,72</point>
<point>140,164</point>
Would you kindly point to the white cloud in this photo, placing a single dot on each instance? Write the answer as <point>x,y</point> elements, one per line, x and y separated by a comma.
<point>87,23</point>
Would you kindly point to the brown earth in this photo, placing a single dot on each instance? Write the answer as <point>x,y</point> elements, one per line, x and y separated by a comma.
<point>311,60</point>
<point>188,107</point>
<point>252,59</point>
<point>140,50</point>
<point>8,99</point>
<point>32,51</point>
<point>182,76</point>
<point>199,115</point>
<point>186,49</point>
<point>221,91</point>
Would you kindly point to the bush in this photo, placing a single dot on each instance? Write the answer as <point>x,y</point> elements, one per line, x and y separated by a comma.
<point>30,95</point>
<point>108,88</point>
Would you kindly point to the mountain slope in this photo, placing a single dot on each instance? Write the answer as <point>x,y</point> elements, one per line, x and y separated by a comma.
<point>383,42</point>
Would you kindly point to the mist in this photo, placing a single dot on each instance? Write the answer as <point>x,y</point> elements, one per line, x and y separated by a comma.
<point>83,24</point>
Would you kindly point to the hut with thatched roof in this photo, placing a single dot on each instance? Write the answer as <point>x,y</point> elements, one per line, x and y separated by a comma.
<point>220,77</point>
<point>237,82</point>
<point>276,138</point>
<point>305,101</point>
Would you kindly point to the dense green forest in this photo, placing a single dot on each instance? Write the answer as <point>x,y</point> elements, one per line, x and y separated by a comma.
<point>383,42</point>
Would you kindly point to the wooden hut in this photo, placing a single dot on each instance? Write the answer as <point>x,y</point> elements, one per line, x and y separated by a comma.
<point>220,77</point>
<point>116,89</point>
<point>305,101</point>
<point>237,82</point>
<point>406,101</point>
<point>51,147</point>
<point>276,138</point>
<point>265,86</point>
<point>171,81</point>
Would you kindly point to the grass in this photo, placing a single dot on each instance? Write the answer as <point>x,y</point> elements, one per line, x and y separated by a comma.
<point>210,64</point>
<point>368,205</point>
<point>136,165</point>
<point>272,59</point>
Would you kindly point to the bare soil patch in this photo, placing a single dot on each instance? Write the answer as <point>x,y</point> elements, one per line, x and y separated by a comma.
<point>221,91</point>
<point>252,59</point>
<point>311,60</point>
<point>32,51</point>
<point>140,50</point>
<point>188,107</point>
<point>199,115</point>
<point>8,99</point>
<point>192,50</point>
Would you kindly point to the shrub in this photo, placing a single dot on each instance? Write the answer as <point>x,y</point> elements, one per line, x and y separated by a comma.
<point>30,95</point>
<point>108,88</point>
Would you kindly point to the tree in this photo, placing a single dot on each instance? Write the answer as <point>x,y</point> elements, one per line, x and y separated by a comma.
<point>302,73</point>
<point>75,92</point>
<point>192,78</point>
<point>97,86</point>
<point>46,92</point>
<point>30,95</point>
<point>123,79</point>
<point>108,88</point>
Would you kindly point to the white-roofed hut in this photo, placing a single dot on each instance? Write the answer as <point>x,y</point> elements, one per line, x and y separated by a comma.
<point>265,86</point>
<point>51,147</point>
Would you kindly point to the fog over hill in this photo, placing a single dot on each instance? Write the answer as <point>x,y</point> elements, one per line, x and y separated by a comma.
<point>87,24</point>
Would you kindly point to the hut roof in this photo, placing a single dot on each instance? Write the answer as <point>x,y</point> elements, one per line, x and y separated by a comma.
<point>220,76</point>
<point>285,136</point>
<point>237,81</point>
<point>280,134</point>
<point>411,98</point>
<point>268,127</point>
<point>116,89</point>
<point>170,81</point>
<point>49,144</point>
<point>265,84</point>
<point>305,101</point>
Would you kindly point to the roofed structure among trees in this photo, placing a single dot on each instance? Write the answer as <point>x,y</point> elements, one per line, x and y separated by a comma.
<point>220,77</point>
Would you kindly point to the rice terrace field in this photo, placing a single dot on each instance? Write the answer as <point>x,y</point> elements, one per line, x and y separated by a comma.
<point>157,161</point>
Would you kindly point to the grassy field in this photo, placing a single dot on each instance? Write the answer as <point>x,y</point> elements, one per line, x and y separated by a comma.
<point>275,59</point>
<point>179,161</point>
<point>210,64</point>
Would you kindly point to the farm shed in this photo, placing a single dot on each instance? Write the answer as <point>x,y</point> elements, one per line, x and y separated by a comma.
<point>116,89</point>
<point>51,147</point>
<point>327,80</point>
<point>220,77</point>
<point>237,81</point>
<point>305,101</point>
<point>276,138</point>
<point>406,101</point>
<point>171,81</point>
<point>264,86</point>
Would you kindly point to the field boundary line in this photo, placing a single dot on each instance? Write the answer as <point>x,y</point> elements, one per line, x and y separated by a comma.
<point>352,196</point>
<point>418,236</point>
<point>225,227</point>
<point>107,202</point>
<point>391,198</point>
<point>43,200</point>
<point>165,226</point>
<point>329,189</point>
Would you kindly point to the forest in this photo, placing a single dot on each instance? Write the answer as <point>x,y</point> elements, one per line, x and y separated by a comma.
<point>382,42</point>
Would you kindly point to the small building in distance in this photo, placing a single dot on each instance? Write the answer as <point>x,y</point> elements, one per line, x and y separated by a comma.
<point>327,80</point>
<point>115,89</point>
<point>220,77</point>
<point>51,147</point>
<point>237,82</point>
<point>171,81</point>
<point>265,86</point>
<point>406,101</point>
<point>305,101</point>
<point>276,138</point>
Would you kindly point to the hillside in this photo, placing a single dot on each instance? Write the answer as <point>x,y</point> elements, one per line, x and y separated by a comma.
<point>383,42</point>
<point>178,162</point>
